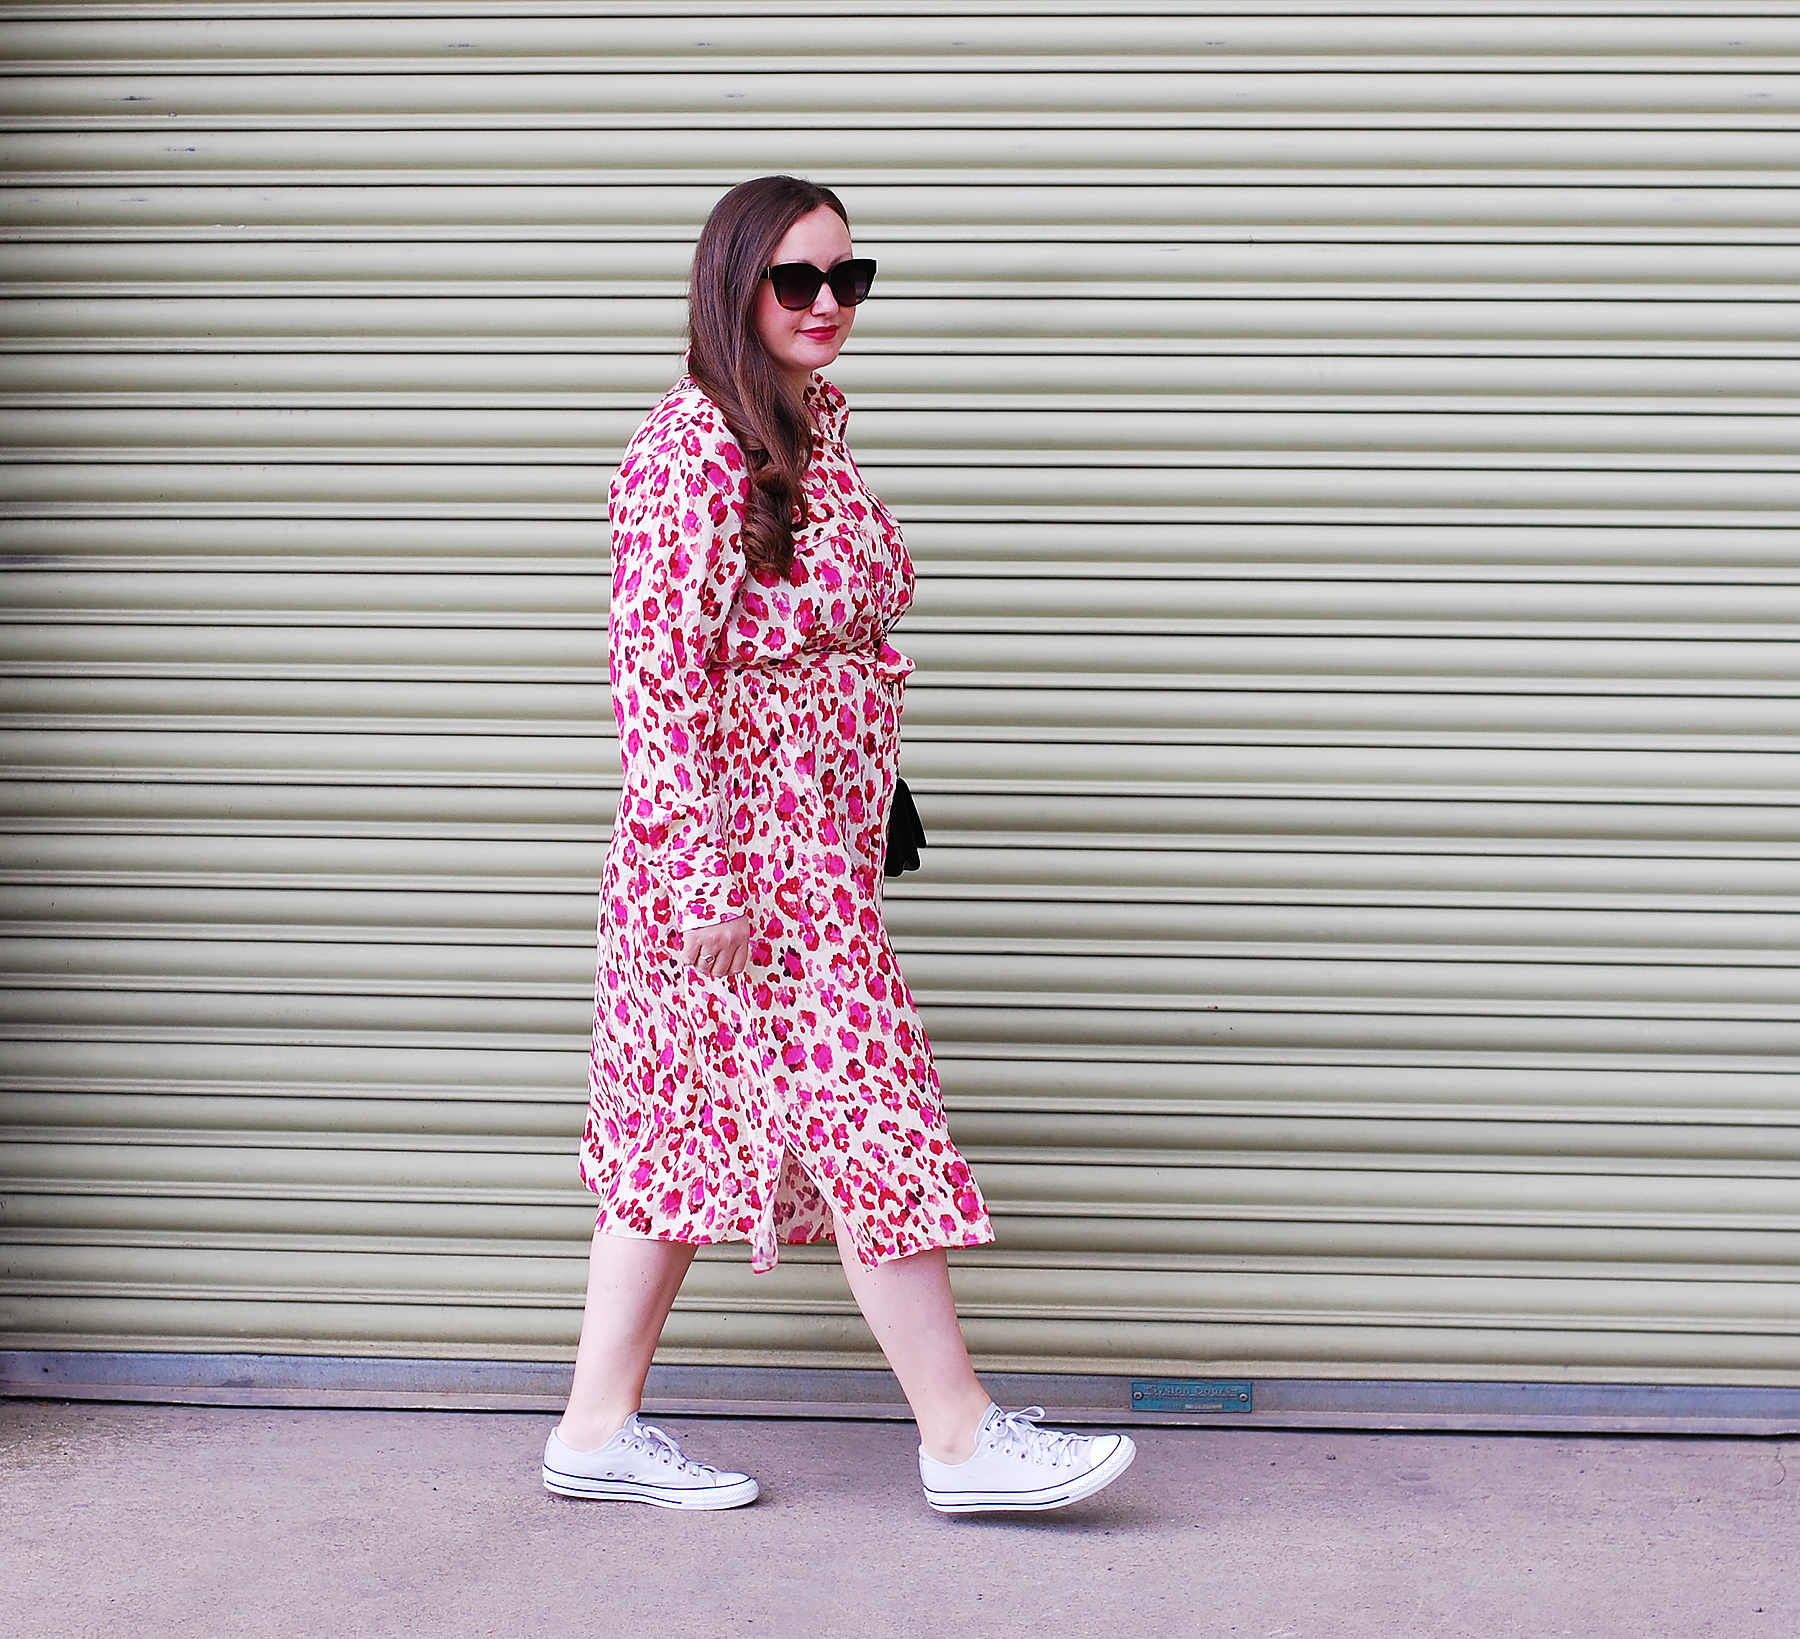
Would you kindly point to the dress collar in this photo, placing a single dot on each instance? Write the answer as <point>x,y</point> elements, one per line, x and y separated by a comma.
<point>827,405</point>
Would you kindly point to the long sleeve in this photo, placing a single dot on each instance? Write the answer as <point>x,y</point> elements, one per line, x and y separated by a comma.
<point>677,506</point>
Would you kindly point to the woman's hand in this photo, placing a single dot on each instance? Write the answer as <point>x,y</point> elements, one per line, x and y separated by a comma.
<point>718,950</point>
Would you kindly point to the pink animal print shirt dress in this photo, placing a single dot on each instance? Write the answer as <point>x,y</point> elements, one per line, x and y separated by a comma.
<point>759,726</point>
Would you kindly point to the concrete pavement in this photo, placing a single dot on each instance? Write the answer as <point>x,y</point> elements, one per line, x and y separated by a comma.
<point>154,1521</point>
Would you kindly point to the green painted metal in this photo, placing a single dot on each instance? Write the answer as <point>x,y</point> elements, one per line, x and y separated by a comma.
<point>1354,472</point>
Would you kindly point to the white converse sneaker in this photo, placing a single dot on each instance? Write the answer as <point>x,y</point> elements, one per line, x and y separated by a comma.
<point>642,1464</point>
<point>1018,1465</point>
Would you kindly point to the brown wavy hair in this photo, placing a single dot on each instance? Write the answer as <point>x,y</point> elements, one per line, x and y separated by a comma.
<point>728,361</point>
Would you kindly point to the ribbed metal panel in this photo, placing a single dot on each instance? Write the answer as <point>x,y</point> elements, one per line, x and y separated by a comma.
<point>1354,470</point>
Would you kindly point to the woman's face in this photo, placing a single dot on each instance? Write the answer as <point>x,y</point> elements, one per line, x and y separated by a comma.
<point>809,340</point>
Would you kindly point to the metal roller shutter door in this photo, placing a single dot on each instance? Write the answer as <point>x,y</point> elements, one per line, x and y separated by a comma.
<point>1352,462</point>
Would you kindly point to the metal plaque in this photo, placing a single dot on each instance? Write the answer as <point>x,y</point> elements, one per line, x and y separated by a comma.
<point>1191,1394</point>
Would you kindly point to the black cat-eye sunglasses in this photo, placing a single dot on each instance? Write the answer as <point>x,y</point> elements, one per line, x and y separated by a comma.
<point>797,283</point>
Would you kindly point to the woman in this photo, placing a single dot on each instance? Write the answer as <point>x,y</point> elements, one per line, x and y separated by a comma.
<point>758,1070</point>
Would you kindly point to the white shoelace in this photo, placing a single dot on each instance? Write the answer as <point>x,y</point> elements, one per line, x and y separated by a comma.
<point>1038,1445</point>
<point>653,1442</point>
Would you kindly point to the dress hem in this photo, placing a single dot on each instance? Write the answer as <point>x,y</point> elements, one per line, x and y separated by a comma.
<point>983,1236</point>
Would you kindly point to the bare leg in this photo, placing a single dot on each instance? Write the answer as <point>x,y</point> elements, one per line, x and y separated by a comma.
<point>908,1306</point>
<point>631,1286</point>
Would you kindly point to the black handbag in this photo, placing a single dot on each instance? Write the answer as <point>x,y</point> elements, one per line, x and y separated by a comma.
<point>905,833</point>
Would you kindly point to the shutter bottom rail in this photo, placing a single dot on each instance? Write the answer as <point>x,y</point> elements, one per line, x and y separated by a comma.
<point>345,1382</point>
